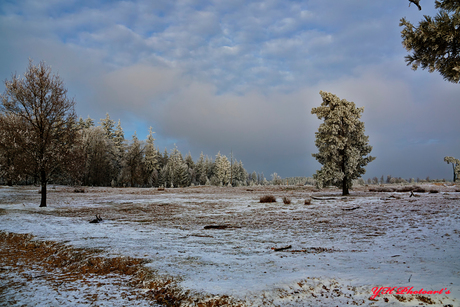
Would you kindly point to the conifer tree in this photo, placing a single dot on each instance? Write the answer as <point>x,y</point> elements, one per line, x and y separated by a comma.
<point>222,169</point>
<point>343,147</point>
<point>200,170</point>
<point>165,158</point>
<point>189,160</point>
<point>89,122</point>
<point>455,166</point>
<point>178,169</point>
<point>435,43</point>
<point>254,177</point>
<point>151,158</point>
<point>133,161</point>
<point>119,138</point>
<point>99,166</point>
<point>107,124</point>
<point>208,167</point>
<point>81,123</point>
<point>119,146</point>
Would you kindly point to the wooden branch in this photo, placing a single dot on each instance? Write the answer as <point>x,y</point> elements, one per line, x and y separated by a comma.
<point>277,249</point>
<point>350,209</point>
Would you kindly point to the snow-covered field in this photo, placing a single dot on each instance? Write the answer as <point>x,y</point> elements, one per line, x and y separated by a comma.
<point>336,255</point>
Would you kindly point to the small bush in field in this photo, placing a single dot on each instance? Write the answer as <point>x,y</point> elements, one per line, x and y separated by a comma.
<point>308,201</point>
<point>434,191</point>
<point>286,200</point>
<point>268,199</point>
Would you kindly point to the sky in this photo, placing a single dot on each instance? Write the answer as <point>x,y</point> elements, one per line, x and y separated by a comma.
<point>241,77</point>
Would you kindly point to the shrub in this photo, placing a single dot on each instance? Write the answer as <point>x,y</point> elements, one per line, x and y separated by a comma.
<point>286,200</point>
<point>79,190</point>
<point>434,191</point>
<point>268,199</point>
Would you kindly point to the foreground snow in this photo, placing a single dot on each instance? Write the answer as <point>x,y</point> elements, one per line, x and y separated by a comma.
<point>336,255</point>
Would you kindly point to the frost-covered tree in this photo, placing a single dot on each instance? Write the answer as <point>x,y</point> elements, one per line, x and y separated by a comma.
<point>150,159</point>
<point>200,170</point>
<point>48,125</point>
<point>133,161</point>
<point>189,160</point>
<point>119,138</point>
<point>13,162</point>
<point>222,169</point>
<point>343,147</point>
<point>254,177</point>
<point>108,125</point>
<point>175,173</point>
<point>455,166</point>
<point>99,167</point>
<point>89,122</point>
<point>119,146</point>
<point>276,180</point>
<point>208,169</point>
<point>435,43</point>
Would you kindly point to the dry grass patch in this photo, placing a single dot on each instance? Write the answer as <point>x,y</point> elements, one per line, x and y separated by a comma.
<point>268,199</point>
<point>60,263</point>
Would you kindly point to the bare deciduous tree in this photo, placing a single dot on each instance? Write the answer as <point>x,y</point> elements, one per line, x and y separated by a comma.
<point>48,127</point>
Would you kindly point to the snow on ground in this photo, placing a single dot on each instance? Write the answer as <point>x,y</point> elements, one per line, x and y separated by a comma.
<point>340,248</point>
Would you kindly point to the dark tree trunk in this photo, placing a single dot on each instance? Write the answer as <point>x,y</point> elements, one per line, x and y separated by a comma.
<point>345,179</point>
<point>345,187</point>
<point>43,191</point>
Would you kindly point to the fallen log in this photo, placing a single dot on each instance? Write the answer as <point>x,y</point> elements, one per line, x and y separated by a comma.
<point>277,249</point>
<point>216,227</point>
<point>350,209</point>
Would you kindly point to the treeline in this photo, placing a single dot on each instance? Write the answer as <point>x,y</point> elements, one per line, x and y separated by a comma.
<point>103,157</point>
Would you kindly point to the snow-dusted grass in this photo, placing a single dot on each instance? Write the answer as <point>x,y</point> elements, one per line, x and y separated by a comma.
<point>340,248</point>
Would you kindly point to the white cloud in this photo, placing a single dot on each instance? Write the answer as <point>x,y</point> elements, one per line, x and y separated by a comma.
<point>241,75</point>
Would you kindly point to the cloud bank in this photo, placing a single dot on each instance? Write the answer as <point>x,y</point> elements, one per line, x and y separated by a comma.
<point>242,76</point>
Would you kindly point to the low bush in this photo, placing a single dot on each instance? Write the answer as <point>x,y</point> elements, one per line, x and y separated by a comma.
<point>268,199</point>
<point>286,200</point>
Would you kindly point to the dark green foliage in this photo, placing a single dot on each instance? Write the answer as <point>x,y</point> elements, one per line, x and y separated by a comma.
<point>435,43</point>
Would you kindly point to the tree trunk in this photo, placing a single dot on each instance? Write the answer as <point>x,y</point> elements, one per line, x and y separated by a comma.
<point>345,179</point>
<point>43,191</point>
<point>345,187</point>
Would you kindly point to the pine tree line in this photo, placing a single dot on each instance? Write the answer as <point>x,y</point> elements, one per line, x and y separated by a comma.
<point>111,160</point>
<point>103,157</point>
